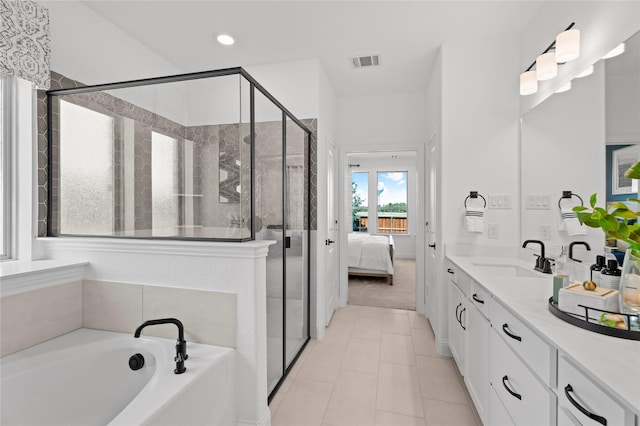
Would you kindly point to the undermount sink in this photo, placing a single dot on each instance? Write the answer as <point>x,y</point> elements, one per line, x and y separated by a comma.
<point>506,270</point>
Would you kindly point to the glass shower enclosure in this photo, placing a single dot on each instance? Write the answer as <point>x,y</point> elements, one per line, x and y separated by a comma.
<point>208,156</point>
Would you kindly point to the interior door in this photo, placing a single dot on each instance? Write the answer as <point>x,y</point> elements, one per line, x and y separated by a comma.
<point>430,232</point>
<point>331,243</point>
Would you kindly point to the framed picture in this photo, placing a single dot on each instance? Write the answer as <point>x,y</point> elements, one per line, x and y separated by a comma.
<point>622,159</point>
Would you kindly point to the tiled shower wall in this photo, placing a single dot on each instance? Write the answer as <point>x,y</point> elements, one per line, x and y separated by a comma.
<point>208,140</point>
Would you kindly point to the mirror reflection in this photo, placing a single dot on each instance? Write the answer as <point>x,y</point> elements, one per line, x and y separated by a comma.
<point>577,143</point>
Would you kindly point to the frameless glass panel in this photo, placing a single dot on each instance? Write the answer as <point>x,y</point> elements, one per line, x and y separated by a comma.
<point>392,202</point>
<point>359,201</point>
<point>189,138</point>
<point>297,235</point>
<point>269,224</point>
<point>86,171</point>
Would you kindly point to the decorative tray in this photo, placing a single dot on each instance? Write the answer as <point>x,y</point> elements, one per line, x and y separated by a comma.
<point>588,322</point>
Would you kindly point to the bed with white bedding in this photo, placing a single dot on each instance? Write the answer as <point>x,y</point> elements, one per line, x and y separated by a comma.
<point>370,255</point>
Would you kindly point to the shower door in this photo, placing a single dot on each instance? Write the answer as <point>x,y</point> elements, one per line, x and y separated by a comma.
<point>296,240</point>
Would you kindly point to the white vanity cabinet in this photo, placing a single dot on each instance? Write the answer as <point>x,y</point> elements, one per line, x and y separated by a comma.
<point>476,376</point>
<point>583,402</point>
<point>456,319</point>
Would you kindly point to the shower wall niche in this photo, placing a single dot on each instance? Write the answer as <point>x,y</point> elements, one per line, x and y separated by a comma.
<point>207,156</point>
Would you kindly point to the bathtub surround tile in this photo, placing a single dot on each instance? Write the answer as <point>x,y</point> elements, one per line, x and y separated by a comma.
<point>208,316</point>
<point>35,316</point>
<point>112,306</point>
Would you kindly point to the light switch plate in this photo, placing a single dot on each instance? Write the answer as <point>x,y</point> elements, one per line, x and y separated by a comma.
<point>537,202</point>
<point>499,201</point>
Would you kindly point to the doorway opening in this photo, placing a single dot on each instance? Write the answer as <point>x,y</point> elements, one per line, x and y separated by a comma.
<point>383,227</point>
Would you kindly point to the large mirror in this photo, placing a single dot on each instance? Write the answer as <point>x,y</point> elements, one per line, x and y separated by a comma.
<point>577,143</point>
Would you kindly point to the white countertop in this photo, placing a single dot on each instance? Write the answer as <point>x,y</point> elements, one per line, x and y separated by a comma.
<point>612,362</point>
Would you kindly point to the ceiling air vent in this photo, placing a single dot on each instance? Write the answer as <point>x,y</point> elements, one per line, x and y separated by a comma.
<point>365,61</point>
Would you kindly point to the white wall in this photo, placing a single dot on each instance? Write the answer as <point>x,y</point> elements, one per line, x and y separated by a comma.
<point>622,108</point>
<point>382,121</point>
<point>480,136</point>
<point>602,24</point>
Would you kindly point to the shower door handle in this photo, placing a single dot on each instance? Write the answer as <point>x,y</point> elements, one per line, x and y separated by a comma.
<point>328,242</point>
<point>287,242</point>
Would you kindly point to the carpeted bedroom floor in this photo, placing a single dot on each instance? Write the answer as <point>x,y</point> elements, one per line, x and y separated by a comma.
<point>373,291</point>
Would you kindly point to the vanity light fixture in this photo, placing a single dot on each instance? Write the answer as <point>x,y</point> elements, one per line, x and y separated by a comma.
<point>528,83</point>
<point>618,50</point>
<point>565,47</point>
<point>546,66</point>
<point>564,88</point>
<point>586,72</point>
<point>225,39</point>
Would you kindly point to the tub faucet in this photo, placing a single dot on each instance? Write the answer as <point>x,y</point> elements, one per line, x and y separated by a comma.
<point>542,263</point>
<point>181,344</point>
<point>577,243</point>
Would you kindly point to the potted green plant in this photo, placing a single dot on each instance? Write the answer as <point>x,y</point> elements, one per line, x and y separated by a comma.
<point>620,222</point>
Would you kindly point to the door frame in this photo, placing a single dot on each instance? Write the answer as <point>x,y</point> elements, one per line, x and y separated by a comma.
<point>345,209</point>
<point>332,146</point>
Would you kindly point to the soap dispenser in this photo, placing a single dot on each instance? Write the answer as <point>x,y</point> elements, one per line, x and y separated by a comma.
<point>610,275</point>
<point>597,267</point>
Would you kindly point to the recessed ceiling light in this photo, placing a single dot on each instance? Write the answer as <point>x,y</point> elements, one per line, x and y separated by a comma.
<point>619,49</point>
<point>225,39</point>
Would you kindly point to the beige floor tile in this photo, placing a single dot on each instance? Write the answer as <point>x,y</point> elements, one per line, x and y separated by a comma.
<point>399,390</point>
<point>397,349</point>
<point>424,342</point>
<point>417,320</point>
<point>305,404</point>
<point>440,413</point>
<point>371,311</point>
<point>346,313</point>
<point>367,328</point>
<point>275,402</point>
<point>301,359</point>
<point>439,380</point>
<point>362,356</point>
<point>353,400</point>
<point>323,363</point>
<point>396,324</point>
<point>338,332</point>
<point>392,419</point>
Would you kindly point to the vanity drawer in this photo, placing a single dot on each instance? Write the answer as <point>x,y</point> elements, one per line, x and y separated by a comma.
<point>498,415</point>
<point>460,278</point>
<point>578,397</point>
<point>480,298</point>
<point>526,399</point>
<point>535,352</point>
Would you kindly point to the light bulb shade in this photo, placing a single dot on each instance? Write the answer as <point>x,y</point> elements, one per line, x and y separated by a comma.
<point>567,46</point>
<point>546,66</point>
<point>618,50</point>
<point>564,88</point>
<point>528,83</point>
<point>586,72</point>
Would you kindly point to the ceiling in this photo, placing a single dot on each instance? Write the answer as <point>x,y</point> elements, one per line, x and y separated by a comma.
<point>406,35</point>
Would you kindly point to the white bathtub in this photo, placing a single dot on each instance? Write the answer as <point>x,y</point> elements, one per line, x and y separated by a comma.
<point>83,378</point>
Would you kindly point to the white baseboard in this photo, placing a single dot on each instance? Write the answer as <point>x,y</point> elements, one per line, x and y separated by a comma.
<point>264,421</point>
<point>442,347</point>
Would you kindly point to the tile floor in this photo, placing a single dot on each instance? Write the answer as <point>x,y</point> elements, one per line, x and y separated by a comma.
<point>375,366</point>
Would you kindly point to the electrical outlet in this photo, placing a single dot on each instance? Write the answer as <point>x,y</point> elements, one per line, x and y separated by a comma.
<point>545,232</point>
<point>494,231</point>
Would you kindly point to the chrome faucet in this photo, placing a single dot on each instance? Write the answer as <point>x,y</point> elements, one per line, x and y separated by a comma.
<point>577,243</point>
<point>181,344</point>
<point>542,263</point>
